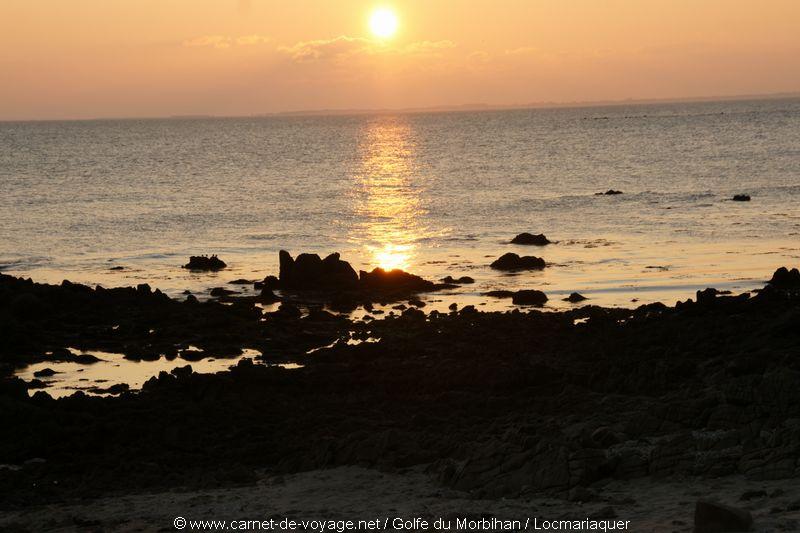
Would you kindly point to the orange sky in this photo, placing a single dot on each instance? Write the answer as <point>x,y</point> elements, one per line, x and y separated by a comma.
<point>101,58</point>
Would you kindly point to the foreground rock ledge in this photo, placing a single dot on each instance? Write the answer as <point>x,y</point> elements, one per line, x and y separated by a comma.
<point>494,404</point>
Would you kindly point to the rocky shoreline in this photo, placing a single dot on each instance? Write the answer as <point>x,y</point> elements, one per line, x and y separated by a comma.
<point>491,404</point>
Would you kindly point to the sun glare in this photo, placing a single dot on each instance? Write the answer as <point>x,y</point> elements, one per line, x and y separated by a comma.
<point>383,23</point>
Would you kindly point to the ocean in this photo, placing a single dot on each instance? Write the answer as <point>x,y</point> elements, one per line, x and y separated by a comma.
<point>435,194</point>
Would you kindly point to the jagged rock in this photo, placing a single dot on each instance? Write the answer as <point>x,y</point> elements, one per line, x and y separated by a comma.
<point>308,271</point>
<point>529,297</point>
<point>712,517</point>
<point>531,239</point>
<point>741,198</point>
<point>203,262</point>
<point>783,278</point>
<point>512,261</point>
<point>707,295</point>
<point>575,298</point>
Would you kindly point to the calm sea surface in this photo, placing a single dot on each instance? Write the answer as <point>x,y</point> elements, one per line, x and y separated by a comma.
<point>435,194</point>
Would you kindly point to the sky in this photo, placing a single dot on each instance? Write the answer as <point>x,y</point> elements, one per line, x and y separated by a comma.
<point>64,59</point>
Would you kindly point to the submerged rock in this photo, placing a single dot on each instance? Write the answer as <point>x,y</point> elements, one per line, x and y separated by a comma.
<point>499,294</point>
<point>531,239</point>
<point>712,517</point>
<point>512,261</point>
<point>380,279</point>
<point>529,297</point>
<point>741,198</point>
<point>783,278</point>
<point>203,262</point>
<point>221,291</point>
<point>609,192</point>
<point>575,297</point>
<point>463,280</point>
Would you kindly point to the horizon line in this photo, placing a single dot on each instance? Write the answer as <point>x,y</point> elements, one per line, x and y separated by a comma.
<point>453,108</point>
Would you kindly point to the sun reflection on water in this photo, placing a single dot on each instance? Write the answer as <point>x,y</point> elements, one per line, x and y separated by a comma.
<point>388,195</point>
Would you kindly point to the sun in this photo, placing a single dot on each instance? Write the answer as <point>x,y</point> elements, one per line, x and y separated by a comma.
<point>383,23</point>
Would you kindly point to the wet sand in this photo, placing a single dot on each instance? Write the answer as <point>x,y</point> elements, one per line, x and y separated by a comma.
<point>352,493</point>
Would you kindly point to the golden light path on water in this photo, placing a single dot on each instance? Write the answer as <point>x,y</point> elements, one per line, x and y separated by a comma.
<point>386,195</point>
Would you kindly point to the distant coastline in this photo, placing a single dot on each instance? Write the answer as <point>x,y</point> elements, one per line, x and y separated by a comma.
<point>469,107</point>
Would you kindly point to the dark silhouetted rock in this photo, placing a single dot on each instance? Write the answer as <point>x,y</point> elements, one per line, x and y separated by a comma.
<point>707,295</point>
<point>741,198</point>
<point>416,302</point>
<point>575,298</point>
<point>463,280</point>
<point>289,310</point>
<point>394,280</point>
<point>270,282</point>
<point>712,517</point>
<point>529,297</point>
<point>308,271</point>
<point>530,239</point>
<point>44,373</point>
<point>221,291</point>
<point>499,294</point>
<point>203,262</point>
<point>117,268</point>
<point>783,278</point>
<point>512,261</point>
<point>84,359</point>
<point>609,192</point>
<point>267,296</point>
<point>240,281</point>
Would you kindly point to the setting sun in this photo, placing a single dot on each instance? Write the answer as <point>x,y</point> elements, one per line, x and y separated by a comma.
<point>383,23</point>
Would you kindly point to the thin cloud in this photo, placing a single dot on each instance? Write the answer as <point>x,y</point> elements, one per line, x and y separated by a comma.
<point>216,41</point>
<point>224,41</point>
<point>249,40</point>
<point>343,47</point>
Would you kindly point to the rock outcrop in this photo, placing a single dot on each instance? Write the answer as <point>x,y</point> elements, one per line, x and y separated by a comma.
<point>529,297</point>
<point>309,271</point>
<point>783,278</point>
<point>531,239</point>
<point>204,262</point>
<point>512,261</point>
